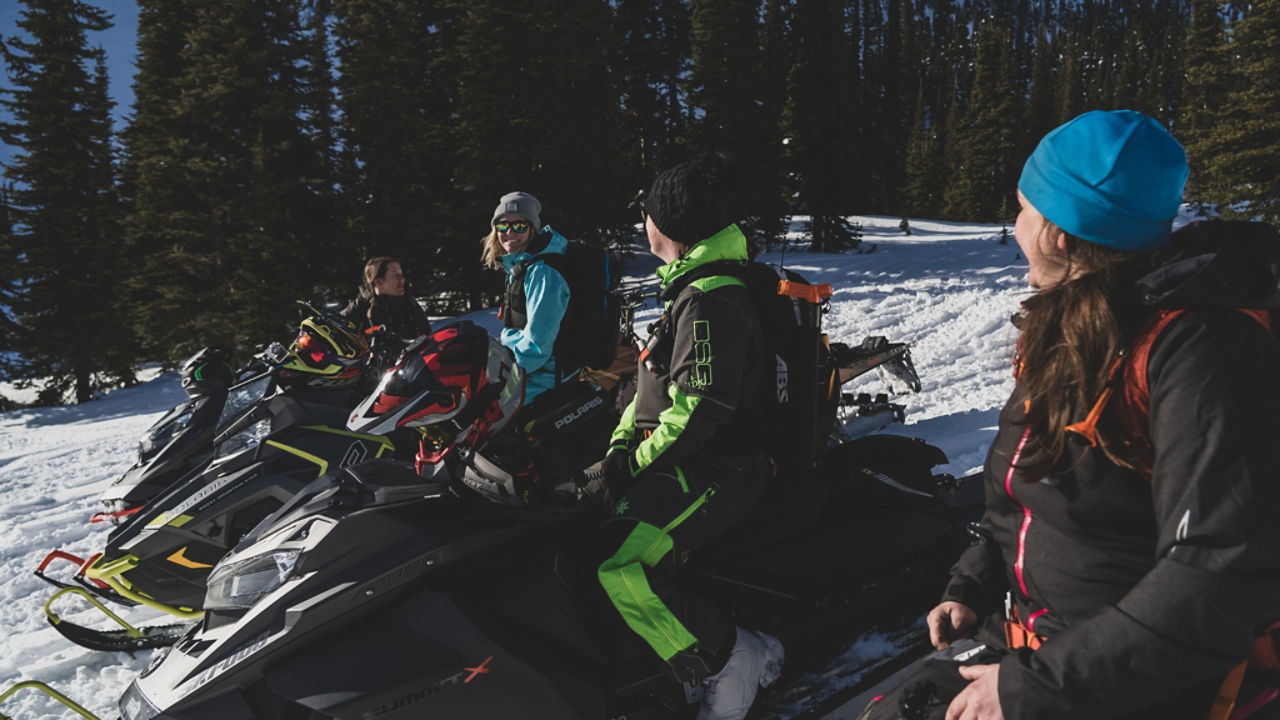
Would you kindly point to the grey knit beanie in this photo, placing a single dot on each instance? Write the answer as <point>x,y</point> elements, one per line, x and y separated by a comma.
<point>522,204</point>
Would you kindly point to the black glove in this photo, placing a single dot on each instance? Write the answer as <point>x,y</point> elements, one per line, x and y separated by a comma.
<point>613,472</point>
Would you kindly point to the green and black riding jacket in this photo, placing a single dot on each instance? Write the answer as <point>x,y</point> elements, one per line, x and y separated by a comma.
<point>697,387</point>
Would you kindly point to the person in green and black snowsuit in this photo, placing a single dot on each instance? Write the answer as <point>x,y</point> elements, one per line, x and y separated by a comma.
<point>684,460</point>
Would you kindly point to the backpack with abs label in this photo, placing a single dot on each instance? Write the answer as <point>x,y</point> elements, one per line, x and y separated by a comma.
<point>797,401</point>
<point>591,329</point>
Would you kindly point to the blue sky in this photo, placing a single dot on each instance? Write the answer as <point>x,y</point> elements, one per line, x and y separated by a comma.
<point>118,41</point>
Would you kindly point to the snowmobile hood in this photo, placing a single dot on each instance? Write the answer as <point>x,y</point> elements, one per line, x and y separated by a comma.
<point>1217,264</point>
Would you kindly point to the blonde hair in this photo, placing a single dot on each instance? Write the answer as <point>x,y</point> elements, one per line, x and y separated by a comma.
<point>492,252</point>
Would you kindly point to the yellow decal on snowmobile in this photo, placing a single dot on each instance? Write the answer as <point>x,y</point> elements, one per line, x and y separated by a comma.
<point>163,519</point>
<point>112,573</point>
<point>180,558</point>
<point>383,441</point>
<point>385,445</point>
<point>324,465</point>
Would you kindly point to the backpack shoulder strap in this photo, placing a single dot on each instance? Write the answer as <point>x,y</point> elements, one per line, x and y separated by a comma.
<point>1134,412</point>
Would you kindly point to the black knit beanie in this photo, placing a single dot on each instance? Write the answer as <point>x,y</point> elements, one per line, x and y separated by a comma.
<point>694,200</point>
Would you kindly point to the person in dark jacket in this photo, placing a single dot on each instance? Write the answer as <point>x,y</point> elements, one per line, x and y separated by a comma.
<point>536,296</point>
<point>683,460</point>
<point>1116,579</point>
<point>382,302</point>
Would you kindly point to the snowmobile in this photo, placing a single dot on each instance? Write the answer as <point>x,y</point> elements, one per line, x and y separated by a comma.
<point>460,586</point>
<point>182,439</point>
<point>278,430</point>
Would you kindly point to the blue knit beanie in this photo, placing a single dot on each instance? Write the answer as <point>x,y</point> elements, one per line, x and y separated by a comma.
<point>1113,178</point>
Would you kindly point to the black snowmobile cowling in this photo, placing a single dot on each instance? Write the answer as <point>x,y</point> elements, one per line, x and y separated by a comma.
<point>182,439</point>
<point>261,460</point>
<point>161,556</point>
<point>376,592</point>
<point>181,442</point>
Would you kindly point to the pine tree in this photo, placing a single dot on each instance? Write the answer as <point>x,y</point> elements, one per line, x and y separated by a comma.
<point>732,109</point>
<point>63,212</point>
<point>224,175</point>
<point>10,275</point>
<point>1041,116</point>
<point>925,164</point>
<point>1204,93</point>
<point>541,116</point>
<point>650,66</point>
<point>1244,148</point>
<point>395,95</point>
<point>815,119</point>
<point>989,135</point>
<point>326,244</point>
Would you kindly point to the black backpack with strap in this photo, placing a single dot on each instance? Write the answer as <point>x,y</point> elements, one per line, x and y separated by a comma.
<point>1129,389</point>
<point>591,328</point>
<point>797,401</point>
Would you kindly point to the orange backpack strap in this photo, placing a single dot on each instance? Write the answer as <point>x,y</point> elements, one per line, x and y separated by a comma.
<point>1134,413</point>
<point>1130,372</point>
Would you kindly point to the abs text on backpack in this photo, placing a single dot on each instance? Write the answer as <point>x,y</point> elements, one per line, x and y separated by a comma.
<point>591,329</point>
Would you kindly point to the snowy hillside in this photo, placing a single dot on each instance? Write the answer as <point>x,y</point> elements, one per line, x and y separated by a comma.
<point>948,288</point>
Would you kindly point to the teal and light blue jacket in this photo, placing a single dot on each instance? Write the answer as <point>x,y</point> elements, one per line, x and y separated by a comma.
<point>546,298</point>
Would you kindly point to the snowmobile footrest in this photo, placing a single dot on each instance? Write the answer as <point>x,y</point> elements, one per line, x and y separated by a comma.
<point>97,587</point>
<point>127,639</point>
<point>41,687</point>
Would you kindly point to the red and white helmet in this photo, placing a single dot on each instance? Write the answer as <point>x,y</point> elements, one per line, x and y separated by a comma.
<point>458,382</point>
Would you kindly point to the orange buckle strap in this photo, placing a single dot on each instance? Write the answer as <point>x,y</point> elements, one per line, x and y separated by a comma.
<point>1088,427</point>
<point>1018,636</point>
<point>813,293</point>
<point>1225,701</point>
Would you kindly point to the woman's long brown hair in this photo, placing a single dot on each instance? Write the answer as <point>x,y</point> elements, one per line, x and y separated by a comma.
<point>1072,333</point>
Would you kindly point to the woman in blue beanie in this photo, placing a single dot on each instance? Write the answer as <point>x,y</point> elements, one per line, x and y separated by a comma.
<point>1128,556</point>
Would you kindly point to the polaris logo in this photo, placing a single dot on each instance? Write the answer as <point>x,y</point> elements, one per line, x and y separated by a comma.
<point>783,394</point>
<point>582,410</point>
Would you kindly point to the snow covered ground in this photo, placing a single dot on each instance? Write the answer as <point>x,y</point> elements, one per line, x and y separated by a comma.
<point>949,288</point>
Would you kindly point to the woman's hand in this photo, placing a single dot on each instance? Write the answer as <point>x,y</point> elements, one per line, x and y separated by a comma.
<point>949,621</point>
<point>981,699</point>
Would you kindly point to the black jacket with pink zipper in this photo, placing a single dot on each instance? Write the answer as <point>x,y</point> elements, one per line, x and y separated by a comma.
<point>1148,594</point>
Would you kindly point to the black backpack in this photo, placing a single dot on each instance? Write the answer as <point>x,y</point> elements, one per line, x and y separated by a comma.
<point>797,403</point>
<point>591,329</point>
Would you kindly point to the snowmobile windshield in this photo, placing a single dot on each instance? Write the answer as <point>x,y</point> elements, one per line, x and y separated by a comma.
<point>163,432</point>
<point>241,397</point>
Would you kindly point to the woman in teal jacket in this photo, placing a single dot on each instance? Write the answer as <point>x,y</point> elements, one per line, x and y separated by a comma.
<point>537,295</point>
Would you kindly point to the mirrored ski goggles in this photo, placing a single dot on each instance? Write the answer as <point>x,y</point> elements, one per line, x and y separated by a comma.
<point>515,227</point>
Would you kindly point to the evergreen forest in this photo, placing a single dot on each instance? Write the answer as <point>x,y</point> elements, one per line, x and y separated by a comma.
<point>274,145</point>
